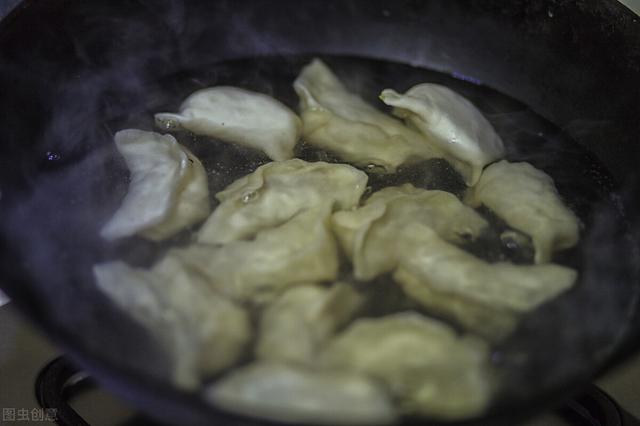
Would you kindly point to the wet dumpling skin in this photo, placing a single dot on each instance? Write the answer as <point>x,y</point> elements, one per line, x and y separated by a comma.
<point>299,251</point>
<point>295,325</point>
<point>372,236</point>
<point>340,122</point>
<point>168,190</point>
<point>451,122</point>
<point>526,199</point>
<point>277,191</point>
<point>239,116</point>
<point>202,331</point>
<point>297,395</point>
<point>427,367</point>
<point>451,282</point>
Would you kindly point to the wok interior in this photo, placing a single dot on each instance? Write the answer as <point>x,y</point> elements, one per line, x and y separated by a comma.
<point>68,179</point>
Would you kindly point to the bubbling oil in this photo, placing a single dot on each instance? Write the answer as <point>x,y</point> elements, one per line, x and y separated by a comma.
<point>527,368</point>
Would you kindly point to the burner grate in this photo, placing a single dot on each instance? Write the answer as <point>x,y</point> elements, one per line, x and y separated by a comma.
<point>59,382</point>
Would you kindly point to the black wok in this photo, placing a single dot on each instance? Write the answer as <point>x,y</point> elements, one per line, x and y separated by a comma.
<point>73,72</point>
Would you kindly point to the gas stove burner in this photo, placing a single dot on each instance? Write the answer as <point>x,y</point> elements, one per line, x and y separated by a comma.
<point>595,408</point>
<point>59,381</point>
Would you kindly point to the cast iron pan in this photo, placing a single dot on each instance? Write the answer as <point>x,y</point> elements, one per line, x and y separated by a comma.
<point>73,72</point>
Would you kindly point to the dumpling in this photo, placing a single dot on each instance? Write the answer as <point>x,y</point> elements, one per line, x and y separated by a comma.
<point>450,269</point>
<point>453,123</point>
<point>202,331</point>
<point>299,251</point>
<point>238,116</point>
<point>339,121</point>
<point>427,367</point>
<point>276,192</point>
<point>295,395</point>
<point>527,200</point>
<point>168,189</point>
<point>372,236</point>
<point>299,321</point>
<point>192,203</point>
<point>491,322</point>
<point>454,283</point>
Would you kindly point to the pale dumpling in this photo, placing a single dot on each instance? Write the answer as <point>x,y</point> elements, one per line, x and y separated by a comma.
<point>238,116</point>
<point>276,192</point>
<point>527,200</point>
<point>299,251</point>
<point>493,323</point>
<point>372,236</point>
<point>202,331</point>
<point>297,395</point>
<point>454,283</point>
<point>340,122</point>
<point>428,368</point>
<point>453,123</point>
<point>168,189</point>
<point>295,325</point>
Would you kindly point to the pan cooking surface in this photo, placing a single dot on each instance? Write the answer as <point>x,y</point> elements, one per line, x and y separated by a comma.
<point>555,345</point>
<point>556,339</point>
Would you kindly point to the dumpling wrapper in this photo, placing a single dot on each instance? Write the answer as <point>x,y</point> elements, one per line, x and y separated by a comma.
<point>298,322</point>
<point>453,123</point>
<point>192,205</point>
<point>491,322</point>
<point>372,236</point>
<point>238,116</point>
<point>168,190</point>
<point>202,331</point>
<point>428,368</point>
<point>301,250</point>
<point>483,297</point>
<point>339,121</point>
<point>290,394</point>
<point>527,200</point>
<point>276,192</point>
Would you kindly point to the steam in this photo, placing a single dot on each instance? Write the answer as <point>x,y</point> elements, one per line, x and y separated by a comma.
<point>118,66</point>
<point>72,179</point>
